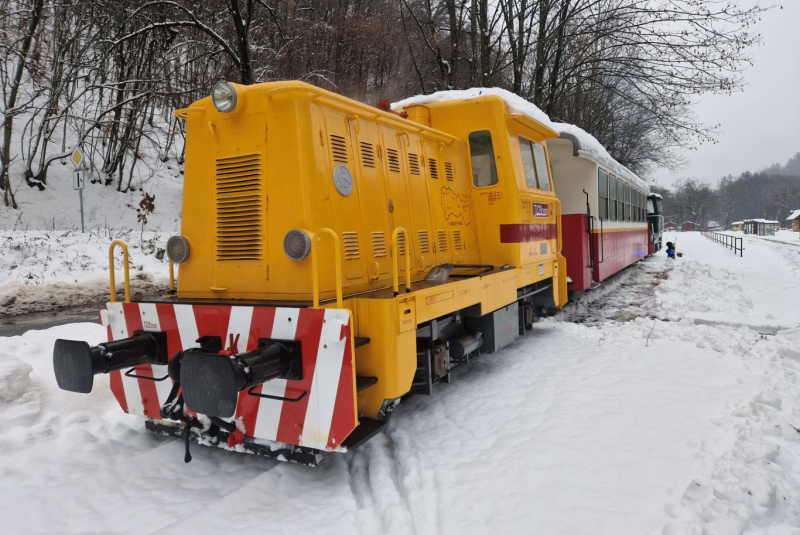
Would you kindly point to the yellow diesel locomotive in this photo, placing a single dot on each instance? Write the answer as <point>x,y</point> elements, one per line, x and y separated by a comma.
<point>333,258</point>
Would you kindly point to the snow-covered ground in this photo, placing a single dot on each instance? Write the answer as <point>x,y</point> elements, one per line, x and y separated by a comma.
<point>666,402</point>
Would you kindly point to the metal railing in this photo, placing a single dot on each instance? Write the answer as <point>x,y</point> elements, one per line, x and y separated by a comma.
<point>731,242</point>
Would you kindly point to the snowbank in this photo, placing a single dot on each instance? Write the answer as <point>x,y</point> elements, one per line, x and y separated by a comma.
<point>14,377</point>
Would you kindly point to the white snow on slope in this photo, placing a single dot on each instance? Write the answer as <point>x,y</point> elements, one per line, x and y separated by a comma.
<point>41,270</point>
<point>579,428</point>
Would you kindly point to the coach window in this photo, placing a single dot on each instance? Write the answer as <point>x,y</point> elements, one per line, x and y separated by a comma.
<point>602,190</point>
<point>527,162</point>
<point>627,202</point>
<point>639,205</point>
<point>612,198</point>
<point>481,150</point>
<point>620,200</point>
<point>541,167</point>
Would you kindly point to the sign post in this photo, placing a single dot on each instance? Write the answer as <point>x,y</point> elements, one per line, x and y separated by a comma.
<point>78,177</point>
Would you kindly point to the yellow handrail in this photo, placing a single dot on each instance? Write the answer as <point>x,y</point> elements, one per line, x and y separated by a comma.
<point>396,253</point>
<point>111,271</point>
<point>171,276</point>
<point>315,270</point>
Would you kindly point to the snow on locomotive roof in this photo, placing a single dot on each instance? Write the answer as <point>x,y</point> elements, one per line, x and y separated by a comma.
<point>516,104</point>
<point>588,147</point>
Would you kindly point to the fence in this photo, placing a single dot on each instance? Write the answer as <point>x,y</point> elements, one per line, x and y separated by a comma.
<point>731,242</point>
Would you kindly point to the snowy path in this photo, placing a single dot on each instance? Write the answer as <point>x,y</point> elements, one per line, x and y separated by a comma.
<point>583,427</point>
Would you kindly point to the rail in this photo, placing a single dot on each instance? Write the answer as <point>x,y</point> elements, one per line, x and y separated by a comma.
<point>731,242</point>
<point>126,271</point>
<point>315,269</point>
<point>395,255</point>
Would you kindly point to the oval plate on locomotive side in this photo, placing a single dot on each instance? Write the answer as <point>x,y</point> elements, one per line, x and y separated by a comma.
<point>343,180</point>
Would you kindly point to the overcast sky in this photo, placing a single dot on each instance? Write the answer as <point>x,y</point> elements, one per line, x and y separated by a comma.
<point>760,125</point>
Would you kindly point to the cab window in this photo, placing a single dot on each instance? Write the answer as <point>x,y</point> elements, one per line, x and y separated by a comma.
<point>484,168</point>
<point>541,166</point>
<point>527,162</point>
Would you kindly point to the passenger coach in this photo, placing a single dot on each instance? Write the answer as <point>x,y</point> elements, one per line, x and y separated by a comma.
<point>604,209</point>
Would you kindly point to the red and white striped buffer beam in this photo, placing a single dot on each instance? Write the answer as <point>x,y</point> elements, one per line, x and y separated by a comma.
<point>322,419</point>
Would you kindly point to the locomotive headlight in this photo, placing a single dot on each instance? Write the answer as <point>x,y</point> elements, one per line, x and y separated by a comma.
<point>296,245</point>
<point>224,97</point>
<point>178,249</point>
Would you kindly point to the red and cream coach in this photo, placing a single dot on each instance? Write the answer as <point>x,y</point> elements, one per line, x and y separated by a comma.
<point>604,208</point>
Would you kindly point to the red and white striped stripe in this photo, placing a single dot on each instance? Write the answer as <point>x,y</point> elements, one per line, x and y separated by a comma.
<point>321,420</point>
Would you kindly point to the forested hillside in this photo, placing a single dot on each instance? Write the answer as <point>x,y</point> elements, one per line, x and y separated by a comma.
<point>106,75</point>
<point>771,193</point>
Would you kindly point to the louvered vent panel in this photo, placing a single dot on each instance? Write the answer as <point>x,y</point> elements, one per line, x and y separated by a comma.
<point>338,149</point>
<point>424,242</point>
<point>458,243</point>
<point>401,243</point>
<point>448,171</point>
<point>433,168</point>
<point>351,251</point>
<point>239,204</point>
<point>413,164</point>
<point>394,160</point>
<point>367,155</point>
<point>441,240</point>
<point>378,245</point>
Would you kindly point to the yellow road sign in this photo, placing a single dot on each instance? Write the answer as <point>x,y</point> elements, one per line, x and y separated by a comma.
<point>77,157</point>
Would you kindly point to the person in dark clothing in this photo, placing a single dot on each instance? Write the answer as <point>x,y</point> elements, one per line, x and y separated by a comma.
<point>670,250</point>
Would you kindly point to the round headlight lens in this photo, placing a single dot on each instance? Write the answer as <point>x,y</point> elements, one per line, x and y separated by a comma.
<point>296,245</point>
<point>178,249</point>
<point>224,97</point>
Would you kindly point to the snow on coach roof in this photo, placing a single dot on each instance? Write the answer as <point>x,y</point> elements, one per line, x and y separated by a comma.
<point>585,144</point>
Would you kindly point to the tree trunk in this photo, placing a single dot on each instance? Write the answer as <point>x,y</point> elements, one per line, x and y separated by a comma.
<point>36,15</point>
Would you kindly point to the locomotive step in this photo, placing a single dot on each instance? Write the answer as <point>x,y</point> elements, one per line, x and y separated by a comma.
<point>362,382</point>
<point>367,428</point>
